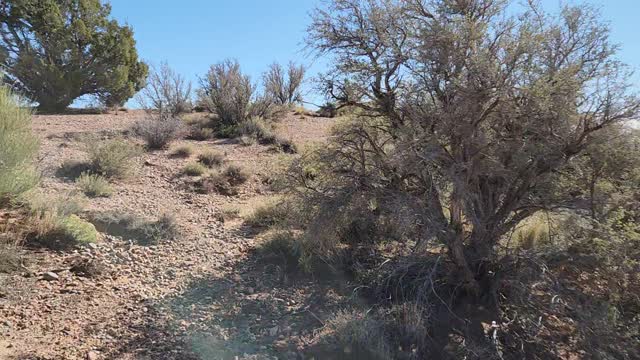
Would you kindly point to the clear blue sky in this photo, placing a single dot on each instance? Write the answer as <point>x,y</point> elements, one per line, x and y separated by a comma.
<point>193,34</point>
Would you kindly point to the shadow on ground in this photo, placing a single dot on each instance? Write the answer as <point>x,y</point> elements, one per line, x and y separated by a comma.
<point>253,310</point>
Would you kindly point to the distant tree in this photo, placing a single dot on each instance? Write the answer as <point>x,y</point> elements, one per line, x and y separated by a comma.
<point>466,112</point>
<point>283,87</point>
<point>55,51</point>
<point>166,92</point>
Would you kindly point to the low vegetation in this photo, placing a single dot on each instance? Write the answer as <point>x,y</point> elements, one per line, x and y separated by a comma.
<point>159,131</point>
<point>211,158</point>
<point>183,151</point>
<point>18,148</point>
<point>94,185</point>
<point>226,181</point>
<point>194,169</point>
<point>113,158</point>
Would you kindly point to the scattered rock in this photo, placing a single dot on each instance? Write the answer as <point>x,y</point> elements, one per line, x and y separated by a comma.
<point>92,355</point>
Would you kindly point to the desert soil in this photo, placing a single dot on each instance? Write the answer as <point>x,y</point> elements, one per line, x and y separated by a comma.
<point>204,295</point>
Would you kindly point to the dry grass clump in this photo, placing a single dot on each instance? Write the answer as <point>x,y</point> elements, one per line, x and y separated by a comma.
<point>113,158</point>
<point>236,175</point>
<point>183,151</point>
<point>199,133</point>
<point>194,169</point>
<point>358,334</point>
<point>143,231</point>
<point>94,185</point>
<point>211,158</point>
<point>532,232</point>
<point>159,132</point>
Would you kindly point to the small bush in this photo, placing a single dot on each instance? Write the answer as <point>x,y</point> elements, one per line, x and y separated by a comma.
<point>272,213</point>
<point>142,231</point>
<point>218,183</point>
<point>235,175</point>
<point>18,146</point>
<point>281,244</point>
<point>199,133</point>
<point>211,158</point>
<point>194,169</point>
<point>159,132</point>
<point>94,185</point>
<point>113,158</point>
<point>78,230</point>
<point>183,151</point>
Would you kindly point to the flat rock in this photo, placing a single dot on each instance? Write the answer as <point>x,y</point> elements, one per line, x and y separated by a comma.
<point>50,276</point>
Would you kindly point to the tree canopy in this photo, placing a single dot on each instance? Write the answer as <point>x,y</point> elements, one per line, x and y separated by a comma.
<point>55,51</point>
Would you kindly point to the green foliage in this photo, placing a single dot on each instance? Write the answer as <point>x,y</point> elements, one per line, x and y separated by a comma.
<point>56,51</point>
<point>94,185</point>
<point>194,169</point>
<point>211,158</point>
<point>113,158</point>
<point>78,230</point>
<point>18,147</point>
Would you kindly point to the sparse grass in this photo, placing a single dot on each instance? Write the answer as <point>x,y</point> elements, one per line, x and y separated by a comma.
<point>94,185</point>
<point>211,158</point>
<point>113,158</point>
<point>194,169</point>
<point>143,231</point>
<point>230,212</point>
<point>183,151</point>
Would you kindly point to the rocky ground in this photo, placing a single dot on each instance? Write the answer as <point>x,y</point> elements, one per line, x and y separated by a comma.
<point>204,295</point>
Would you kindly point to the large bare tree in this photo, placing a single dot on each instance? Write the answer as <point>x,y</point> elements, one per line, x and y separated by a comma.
<point>472,110</point>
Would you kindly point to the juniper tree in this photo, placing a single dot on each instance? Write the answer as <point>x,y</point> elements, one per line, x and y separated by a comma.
<point>55,51</point>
